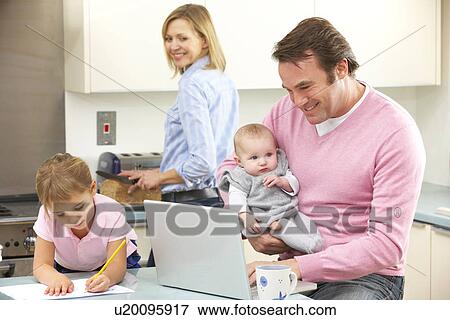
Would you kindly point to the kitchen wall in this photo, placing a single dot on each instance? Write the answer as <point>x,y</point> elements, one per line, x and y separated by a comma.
<point>31,91</point>
<point>433,113</point>
<point>140,127</point>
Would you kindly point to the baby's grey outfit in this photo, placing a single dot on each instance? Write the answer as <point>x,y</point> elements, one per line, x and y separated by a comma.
<point>273,204</point>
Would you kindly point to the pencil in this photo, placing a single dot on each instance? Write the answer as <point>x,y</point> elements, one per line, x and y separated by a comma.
<point>110,259</point>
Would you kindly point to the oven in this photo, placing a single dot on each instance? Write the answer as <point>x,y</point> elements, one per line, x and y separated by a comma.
<point>17,238</point>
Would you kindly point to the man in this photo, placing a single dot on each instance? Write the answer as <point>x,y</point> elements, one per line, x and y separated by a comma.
<point>359,159</point>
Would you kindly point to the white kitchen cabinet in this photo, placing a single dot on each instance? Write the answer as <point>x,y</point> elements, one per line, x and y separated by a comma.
<point>428,263</point>
<point>418,265</point>
<point>248,31</point>
<point>143,242</point>
<point>396,42</point>
<point>122,39</point>
<point>440,263</point>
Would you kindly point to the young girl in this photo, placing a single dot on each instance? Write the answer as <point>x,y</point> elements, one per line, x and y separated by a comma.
<point>77,229</point>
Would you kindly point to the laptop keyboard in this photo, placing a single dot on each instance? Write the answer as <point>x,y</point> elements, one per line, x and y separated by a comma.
<point>254,292</point>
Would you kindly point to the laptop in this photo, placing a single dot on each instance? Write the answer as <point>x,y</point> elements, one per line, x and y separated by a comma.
<point>200,249</point>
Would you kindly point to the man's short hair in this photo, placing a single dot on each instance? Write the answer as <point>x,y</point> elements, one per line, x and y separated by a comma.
<point>316,37</point>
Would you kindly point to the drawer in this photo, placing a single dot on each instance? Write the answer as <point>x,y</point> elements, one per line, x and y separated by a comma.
<point>440,263</point>
<point>419,250</point>
<point>417,285</point>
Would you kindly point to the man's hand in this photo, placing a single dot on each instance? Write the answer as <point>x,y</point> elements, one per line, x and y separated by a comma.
<point>251,268</point>
<point>268,244</point>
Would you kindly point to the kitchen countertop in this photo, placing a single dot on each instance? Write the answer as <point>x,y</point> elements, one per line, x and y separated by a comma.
<point>142,281</point>
<point>432,197</point>
<point>135,216</point>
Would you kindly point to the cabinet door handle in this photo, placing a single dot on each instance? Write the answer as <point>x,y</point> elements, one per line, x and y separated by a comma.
<point>8,270</point>
<point>419,224</point>
<point>441,231</point>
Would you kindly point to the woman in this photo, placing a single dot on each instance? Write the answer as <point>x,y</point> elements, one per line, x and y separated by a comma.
<point>200,126</point>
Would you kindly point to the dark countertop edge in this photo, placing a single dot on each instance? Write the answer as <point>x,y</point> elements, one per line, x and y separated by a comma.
<point>136,217</point>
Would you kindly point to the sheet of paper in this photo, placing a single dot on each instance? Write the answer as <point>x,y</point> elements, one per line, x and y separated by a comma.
<point>35,291</point>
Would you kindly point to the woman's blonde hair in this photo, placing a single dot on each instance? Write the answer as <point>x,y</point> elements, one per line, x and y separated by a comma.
<point>200,20</point>
<point>59,177</point>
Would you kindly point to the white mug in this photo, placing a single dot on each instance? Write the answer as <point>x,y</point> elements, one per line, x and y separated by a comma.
<point>275,282</point>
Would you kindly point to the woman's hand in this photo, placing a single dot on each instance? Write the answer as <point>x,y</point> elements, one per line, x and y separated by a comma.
<point>99,284</point>
<point>251,268</point>
<point>59,285</point>
<point>148,179</point>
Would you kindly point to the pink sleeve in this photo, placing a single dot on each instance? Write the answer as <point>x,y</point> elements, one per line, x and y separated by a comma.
<point>42,225</point>
<point>397,180</point>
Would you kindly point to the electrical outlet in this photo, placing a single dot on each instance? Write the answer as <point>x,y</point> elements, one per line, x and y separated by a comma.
<point>106,128</point>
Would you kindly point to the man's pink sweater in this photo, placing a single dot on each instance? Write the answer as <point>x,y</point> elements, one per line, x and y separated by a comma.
<point>359,183</point>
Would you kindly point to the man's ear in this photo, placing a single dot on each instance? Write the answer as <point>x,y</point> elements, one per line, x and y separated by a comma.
<point>342,68</point>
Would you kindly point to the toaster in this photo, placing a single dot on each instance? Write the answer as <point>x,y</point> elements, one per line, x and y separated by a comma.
<point>114,163</point>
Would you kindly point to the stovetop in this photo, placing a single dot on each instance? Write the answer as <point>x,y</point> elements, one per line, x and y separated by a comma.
<point>22,205</point>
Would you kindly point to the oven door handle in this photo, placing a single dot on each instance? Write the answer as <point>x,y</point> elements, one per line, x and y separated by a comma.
<point>7,270</point>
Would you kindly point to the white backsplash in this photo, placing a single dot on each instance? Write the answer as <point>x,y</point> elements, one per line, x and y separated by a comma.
<point>140,126</point>
<point>433,113</point>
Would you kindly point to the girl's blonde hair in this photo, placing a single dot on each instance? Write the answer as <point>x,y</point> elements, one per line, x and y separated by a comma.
<point>200,20</point>
<point>59,177</point>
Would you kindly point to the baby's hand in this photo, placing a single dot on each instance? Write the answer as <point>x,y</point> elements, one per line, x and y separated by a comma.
<point>99,284</point>
<point>60,285</point>
<point>280,182</point>
<point>271,181</point>
<point>275,226</point>
<point>250,222</point>
<point>254,228</point>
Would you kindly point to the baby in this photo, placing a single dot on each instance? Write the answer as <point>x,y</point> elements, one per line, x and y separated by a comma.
<point>264,190</point>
